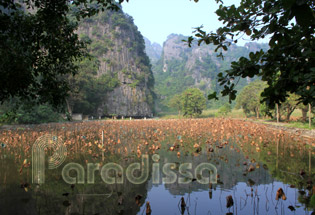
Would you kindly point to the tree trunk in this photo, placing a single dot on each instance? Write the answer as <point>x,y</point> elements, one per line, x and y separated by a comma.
<point>309,115</point>
<point>278,114</point>
<point>304,114</point>
<point>68,107</point>
<point>288,114</point>
<point>69,111</point>
<point>257,112</point>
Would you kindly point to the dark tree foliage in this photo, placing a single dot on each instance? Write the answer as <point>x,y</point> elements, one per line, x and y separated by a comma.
<point>27,112</point>
<point>288,66</point>
<point>39,47</point>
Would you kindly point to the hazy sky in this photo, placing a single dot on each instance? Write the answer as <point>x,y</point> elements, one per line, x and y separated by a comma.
<point>156,19</point>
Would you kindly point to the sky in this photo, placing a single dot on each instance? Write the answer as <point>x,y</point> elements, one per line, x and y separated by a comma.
<point>156,19</point>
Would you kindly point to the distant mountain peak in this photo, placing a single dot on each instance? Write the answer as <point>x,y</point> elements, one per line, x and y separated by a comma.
<point>119,48</point>
<point>181,67</point>
<point>153,50</point>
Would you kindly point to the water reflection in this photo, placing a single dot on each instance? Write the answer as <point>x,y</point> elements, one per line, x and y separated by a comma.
<point>248,179</point>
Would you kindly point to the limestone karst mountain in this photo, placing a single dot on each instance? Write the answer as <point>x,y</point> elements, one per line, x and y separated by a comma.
<point>181,67</point>
<point>119,50</point>
<point>153,50</point>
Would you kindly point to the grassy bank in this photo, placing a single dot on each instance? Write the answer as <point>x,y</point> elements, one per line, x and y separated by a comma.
<point>295,122</point>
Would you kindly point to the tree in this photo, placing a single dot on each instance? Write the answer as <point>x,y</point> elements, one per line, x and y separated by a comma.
<point>176,103</point>
<point>265,110</point>
<point>225,109</point>
<point>193,102</point>
<point>39,47</point>
<point>304,109</point>
<point>249,98</point>
<point>290,24</point>
<point>289,105</point>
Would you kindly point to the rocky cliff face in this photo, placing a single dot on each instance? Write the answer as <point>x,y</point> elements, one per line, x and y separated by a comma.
<point>181,67</point>
<point>119,47</point>
<point>153,50</point>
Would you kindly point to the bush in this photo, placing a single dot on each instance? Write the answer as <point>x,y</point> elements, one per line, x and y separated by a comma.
<point>30,114</point>
<point>225,109</point>
<point>36,115</point>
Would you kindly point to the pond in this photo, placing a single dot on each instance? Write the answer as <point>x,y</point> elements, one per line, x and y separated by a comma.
<point>188,166</point>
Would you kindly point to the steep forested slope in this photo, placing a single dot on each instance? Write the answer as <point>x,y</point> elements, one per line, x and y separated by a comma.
<point>181,67</point>
<point>122,71</point>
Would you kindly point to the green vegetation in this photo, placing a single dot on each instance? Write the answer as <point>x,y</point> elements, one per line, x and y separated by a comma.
<point>193,102</point>
<point>239,113</point>
<point>225,109</point>
<point>39,69</point>
<point>286,66</point>
<point>252,109</point>
<point>206,113</point>
<point>174,75</point>
<point>85,92</point>
<point>119,20</point>
<point>38,49</point>
<point>302,125</point>
<point>89,89</point>
<point>249,98</point>
<point>122,31</point>
<point>176,103</point>
<point>22,112</point>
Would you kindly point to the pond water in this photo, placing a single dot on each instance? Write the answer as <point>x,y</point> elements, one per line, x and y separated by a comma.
<point>246,169</point>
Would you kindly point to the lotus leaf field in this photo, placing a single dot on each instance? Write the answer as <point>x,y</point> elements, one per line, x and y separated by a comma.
<point>258,169</point>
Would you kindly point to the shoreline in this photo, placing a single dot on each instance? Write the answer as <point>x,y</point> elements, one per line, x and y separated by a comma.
<point>307,133</point>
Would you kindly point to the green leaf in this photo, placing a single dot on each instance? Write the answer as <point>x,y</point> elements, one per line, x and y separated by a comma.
<point>220,12</point>
<point>232,96</point>
<point>213,96</point>
<point>251,55</point>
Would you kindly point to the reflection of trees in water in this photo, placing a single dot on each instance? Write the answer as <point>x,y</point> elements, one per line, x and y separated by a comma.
<point>283,163</point>
<point>94,199</point>
<point>13,198</point>
<point>292,164</point>
<point>289,163</point>
<point>229,164</point>
<point>58,197</point>
<point>121,198</point>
